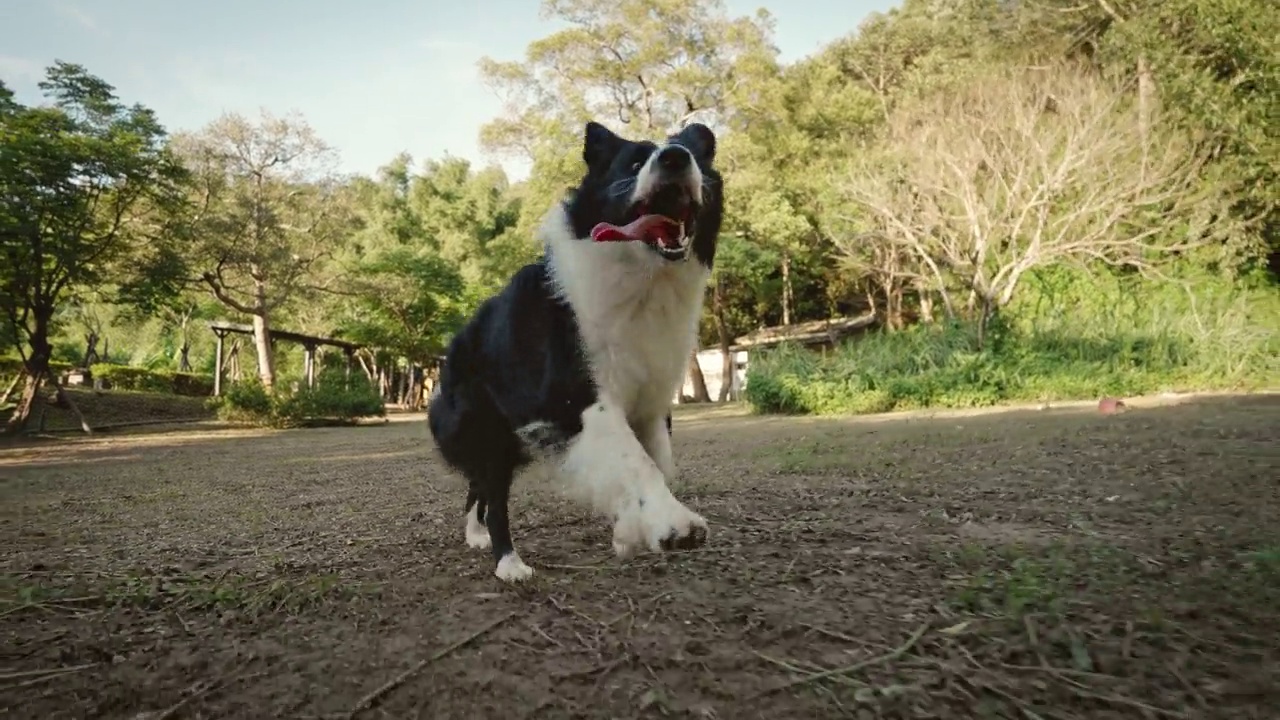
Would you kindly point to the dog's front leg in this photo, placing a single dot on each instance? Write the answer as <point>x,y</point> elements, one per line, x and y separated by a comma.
<point>614,468</point>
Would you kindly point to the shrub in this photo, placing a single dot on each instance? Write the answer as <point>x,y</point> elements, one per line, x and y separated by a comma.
<point>125,377</point>
<point>335,397</point>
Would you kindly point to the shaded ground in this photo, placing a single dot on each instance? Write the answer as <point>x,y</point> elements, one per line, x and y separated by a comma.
<point>1028,564</point>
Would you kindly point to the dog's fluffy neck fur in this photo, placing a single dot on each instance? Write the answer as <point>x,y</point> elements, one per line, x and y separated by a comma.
<point>637,314</point>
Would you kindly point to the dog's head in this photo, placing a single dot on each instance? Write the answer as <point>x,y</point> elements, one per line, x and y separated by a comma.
<point>666,196</point>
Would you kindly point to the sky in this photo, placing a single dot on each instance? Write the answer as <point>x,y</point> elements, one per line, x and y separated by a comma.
<point>373,78</point>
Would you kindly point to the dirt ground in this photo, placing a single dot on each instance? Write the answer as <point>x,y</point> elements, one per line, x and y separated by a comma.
<point>1022,564</point>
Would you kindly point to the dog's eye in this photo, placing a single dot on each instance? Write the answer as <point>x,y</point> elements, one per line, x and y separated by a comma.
<point>635,167</point>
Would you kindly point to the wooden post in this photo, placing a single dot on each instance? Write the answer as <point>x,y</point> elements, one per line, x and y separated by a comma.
<point>217,365</point>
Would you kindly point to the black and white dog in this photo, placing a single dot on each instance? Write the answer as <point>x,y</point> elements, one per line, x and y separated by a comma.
<point>579,356</point>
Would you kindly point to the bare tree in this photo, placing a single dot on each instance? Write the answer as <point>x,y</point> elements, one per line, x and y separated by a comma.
<point>887,270</point>
<point>1023,169</point>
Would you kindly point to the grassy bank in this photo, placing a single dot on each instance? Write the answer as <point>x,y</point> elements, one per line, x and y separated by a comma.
<point>1066,340</point>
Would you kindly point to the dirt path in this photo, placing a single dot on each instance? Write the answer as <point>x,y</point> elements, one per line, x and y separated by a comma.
<point>1052,564</point>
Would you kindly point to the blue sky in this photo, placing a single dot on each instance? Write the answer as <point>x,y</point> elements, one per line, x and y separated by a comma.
<point>373,78</point>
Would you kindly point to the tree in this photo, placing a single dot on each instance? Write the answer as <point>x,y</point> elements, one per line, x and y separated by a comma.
<point>405,301</point>
<point>1023,169</point>
<point>265,212</point>
<point>82,180</point>
<point>649,65</point>
<point>470,219</point>
<point>431,244</point>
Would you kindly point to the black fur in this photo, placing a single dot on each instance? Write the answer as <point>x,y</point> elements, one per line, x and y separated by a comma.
<point>519,362</point>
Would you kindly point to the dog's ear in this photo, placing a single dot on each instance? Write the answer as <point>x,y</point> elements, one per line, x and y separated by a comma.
<point>699,139</point>
<point>599,144</point>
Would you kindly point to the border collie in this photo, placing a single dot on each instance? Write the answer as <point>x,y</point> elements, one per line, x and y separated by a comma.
<point>578,357</point>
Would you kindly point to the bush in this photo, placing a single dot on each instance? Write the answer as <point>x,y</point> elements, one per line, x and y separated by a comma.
<point>1078,341</point>
<point>335,397</point>
<point>125,377</point>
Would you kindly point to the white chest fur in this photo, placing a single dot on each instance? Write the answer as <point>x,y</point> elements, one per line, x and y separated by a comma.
<point>637,314</point>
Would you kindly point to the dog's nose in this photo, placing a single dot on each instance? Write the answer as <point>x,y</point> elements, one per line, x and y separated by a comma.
<point>674,158</point>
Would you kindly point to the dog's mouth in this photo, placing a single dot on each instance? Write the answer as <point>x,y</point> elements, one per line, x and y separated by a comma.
<point>664,221</point>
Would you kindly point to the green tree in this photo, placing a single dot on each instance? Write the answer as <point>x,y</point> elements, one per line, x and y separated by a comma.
<point>645,67</point>
<point>265,213</point>
<point>470,218</point>
<point>405,301</point>
<point>85,181</point>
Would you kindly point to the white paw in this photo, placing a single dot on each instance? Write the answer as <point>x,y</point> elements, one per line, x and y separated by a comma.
<point>479,540</point>
<point>477,533</point>
<point>512,569</point>
<point>665,525</point>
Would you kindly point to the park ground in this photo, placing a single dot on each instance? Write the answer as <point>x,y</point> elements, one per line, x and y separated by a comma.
<point>1035,563</point>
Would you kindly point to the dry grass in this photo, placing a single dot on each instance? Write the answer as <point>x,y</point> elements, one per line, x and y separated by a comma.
<point>1052,564</point>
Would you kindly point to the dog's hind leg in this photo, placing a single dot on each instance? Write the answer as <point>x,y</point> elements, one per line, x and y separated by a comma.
<point>510,567</point>
<point>477,532</point>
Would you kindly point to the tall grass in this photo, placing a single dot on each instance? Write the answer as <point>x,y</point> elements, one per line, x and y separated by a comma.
<point>1068,337</point>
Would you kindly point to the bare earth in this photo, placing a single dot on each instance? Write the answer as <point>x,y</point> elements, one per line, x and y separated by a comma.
<point>1022,564</point>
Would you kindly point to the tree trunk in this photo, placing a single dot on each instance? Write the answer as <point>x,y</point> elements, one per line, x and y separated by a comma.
<point>700,393</point>
<point>64,399</point>
<point>985,310</point>
<point>90,349</point>
<point>1146,98</point>
<point>8,393</point>
<point>419,375</point>
<point>30,390</point>
<point>893,305</point>
<point>926,306</point>
<point>370,371</point>
<point>262,336</point>
<point>786,289</point>
<point>184,352</point>
<point>722,333</point>
<point>262,343</point>
<point>233,361</point>
<point>37,368</point>
<point>384,383</point>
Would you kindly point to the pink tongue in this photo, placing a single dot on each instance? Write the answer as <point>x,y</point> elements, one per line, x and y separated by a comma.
<point>660,227</point>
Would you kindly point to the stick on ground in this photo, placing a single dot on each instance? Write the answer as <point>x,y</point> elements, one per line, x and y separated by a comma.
<point>848,669</point>
<point>368,701</point>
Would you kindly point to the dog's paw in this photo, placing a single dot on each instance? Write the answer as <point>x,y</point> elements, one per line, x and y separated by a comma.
<point>479,540</point>
<point>477,533</point>
<point>693,534</point>
<point>659,527</point>
<point>512,569</point>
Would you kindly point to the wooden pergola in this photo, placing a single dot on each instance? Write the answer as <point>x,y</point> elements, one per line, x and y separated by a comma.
<point>309,344</point>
